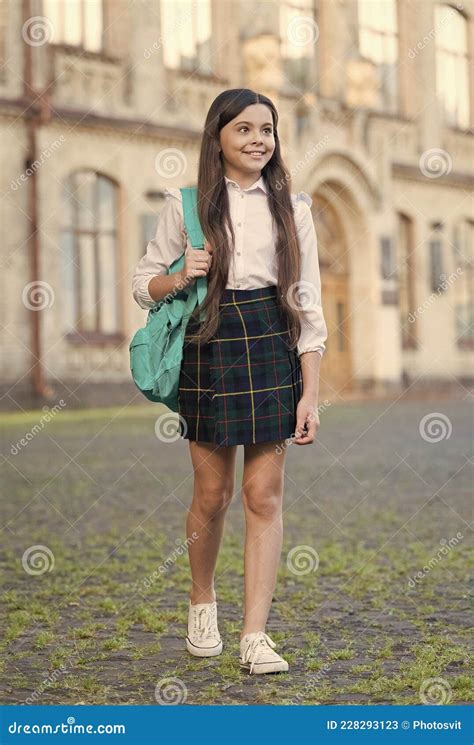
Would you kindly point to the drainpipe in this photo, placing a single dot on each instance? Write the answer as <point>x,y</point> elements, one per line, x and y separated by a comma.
<point>37,113</point>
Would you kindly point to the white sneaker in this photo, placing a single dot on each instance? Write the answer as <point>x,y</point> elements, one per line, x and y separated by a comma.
<point>203,639</point>
<point>257,655</point>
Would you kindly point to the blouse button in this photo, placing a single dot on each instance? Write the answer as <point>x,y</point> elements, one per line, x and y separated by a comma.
<point>238,253</point>
<point>242,196</point>
<point>239,224</point>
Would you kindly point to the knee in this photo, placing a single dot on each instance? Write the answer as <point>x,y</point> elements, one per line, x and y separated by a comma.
<point>263,502</point>
<point>213,500</point>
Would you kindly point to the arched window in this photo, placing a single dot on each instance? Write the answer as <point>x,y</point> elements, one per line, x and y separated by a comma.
<point>89,244</point>
<point>452,65</point>
<point>378,41</point>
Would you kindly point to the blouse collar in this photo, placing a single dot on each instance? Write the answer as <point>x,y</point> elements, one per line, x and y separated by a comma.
<point>260,184</point>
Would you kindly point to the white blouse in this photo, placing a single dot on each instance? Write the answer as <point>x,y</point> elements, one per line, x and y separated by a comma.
<point>253,263</point>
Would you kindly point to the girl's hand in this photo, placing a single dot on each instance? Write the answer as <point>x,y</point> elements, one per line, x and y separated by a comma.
<point>307,421</point>
<point>197,262</point>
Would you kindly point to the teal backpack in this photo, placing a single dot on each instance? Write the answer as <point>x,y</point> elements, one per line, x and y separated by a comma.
<point>156,350</point>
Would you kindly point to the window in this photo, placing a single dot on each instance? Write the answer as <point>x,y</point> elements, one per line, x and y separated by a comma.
<point>388,271</point>
<point>149,222</point>
<point>89,243</point>
<point>437,275</point>
<point>299,34</point>
<point>186,34</point>
<point>378,41</point>
<point>452,65</point>
<point>463,282</point>
<point>465,323</point>
<point>388,268</point>
<point>78,23</point>
<point>340,321</point>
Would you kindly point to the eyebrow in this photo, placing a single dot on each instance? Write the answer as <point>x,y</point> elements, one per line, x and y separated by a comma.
<point>267,124</point>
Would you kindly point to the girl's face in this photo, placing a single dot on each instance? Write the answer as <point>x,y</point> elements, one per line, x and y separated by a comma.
<point>250,132</point>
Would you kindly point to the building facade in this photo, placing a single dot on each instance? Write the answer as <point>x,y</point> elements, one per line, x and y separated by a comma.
<point>102,104</point>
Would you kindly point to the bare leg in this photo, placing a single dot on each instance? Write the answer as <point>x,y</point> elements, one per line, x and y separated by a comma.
<point>262,493</point>
<point>214,479</point>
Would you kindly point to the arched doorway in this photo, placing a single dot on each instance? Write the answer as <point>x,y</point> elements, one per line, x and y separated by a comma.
<point>346,202</point>
<point>334,265</point>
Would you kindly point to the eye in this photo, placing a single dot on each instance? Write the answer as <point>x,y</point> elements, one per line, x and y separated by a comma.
<point>267,129</point>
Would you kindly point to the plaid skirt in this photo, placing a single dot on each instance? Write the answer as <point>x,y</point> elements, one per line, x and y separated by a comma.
<point>243,385</point>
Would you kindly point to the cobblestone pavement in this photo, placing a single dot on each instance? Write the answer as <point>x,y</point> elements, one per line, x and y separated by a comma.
<point>371,604</point>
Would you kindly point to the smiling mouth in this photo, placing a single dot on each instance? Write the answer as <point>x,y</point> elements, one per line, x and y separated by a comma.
<point>255,154</point>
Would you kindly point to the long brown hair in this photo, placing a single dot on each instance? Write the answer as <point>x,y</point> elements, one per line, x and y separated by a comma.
<point>214,213</point>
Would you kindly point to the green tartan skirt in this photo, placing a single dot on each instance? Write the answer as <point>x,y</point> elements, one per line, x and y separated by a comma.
<point>243,385</point>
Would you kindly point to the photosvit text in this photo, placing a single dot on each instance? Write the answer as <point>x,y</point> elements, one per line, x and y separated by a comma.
<point>391,724</point>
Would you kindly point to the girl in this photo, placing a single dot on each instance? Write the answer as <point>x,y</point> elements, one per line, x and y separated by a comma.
<point>250,372</point>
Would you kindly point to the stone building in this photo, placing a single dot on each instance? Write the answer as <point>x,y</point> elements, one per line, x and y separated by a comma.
<point>102,103</point>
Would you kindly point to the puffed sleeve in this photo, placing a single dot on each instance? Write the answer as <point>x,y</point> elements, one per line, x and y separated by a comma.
<point>313,325</point>
<point>162,250</point>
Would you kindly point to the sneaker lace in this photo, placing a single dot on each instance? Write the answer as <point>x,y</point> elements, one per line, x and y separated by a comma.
<point>204,622</point>
<point>258,646</point>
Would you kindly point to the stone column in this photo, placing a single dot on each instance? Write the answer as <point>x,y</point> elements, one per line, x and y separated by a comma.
<point>421,104</point>
<point>336,24</point>
<point>148,90</point>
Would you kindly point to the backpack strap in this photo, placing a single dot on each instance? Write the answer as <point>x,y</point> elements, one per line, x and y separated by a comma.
<point>191,218</point>
<point>196,236</point>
